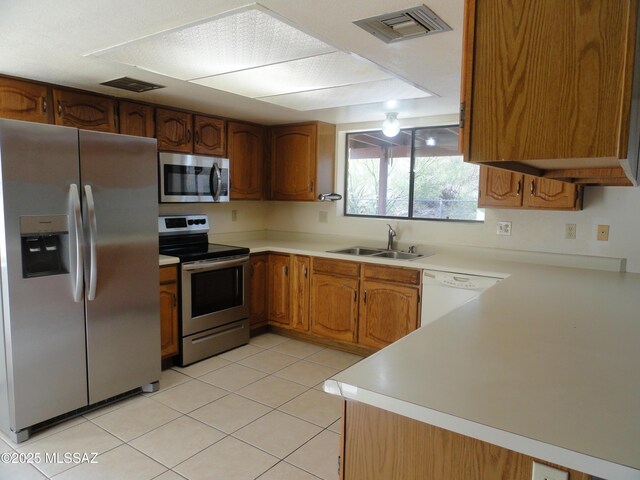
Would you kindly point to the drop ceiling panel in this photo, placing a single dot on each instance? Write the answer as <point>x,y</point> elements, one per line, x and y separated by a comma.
<point>313,73</point>
<point>237,41</point>
<point>361,93</point>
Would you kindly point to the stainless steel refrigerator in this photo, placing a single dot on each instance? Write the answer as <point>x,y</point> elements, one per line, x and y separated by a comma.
<point>79,271</point>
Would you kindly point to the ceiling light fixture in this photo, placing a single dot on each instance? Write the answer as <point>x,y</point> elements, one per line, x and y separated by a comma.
<point>430,142</point>
<point>391,125</point>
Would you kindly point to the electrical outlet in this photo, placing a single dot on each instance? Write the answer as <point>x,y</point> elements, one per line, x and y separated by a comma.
<point>545,472</point>
<point>603,233</point>
<point>570,231</point>
<point>234,215</point>
<point>323,217</point>
<point>504,228</point>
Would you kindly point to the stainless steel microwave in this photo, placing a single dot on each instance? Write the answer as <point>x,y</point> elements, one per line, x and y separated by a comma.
<point>190,178</point>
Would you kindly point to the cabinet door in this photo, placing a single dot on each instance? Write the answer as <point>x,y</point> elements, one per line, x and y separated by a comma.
<point>300,268</point>
<point>499,188</point>
<point>529,99</point>
<point>551,194</point>
<point>24,101</point>
<point>334,307</point>
<point>173,131</point>
<point>169,311</point>
<point>387,312</point>
<point>293,162</point>
<point>210,136</point>
<point>246,157</point>
<point>81,110</point>
<point>258,315</point>
<point>137,119</point>
<point>278,288</point>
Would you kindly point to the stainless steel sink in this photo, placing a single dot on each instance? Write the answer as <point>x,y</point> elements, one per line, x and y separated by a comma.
<point>377,252</point>
<point>398,255</point>
<point>357,251</point>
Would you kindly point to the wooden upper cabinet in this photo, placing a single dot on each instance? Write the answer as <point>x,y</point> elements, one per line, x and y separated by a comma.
<point>499,188</point>
<point>547,85</point>
<point>136,119</point>
<point>300,284</point>
<point>550,194</point>
<point>82,110</point>
<point>278,289</point>
<point>258,306</point>
<point>209,135</point>
<point>174,130</point>
<point>502,188</point>
<point>26,101</point>
<point>245,147</point>
<point>302,159</point>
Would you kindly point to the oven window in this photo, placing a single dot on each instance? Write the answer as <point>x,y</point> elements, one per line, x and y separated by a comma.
<point>186,180</point>
<point>216,290</point>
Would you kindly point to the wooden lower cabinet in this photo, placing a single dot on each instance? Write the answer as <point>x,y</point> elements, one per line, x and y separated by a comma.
<point>299,292</point>
<point>258,307</point>
<point>334,307</point>
<point>380,445</point>
<point>278,289</point>
<point>169,311</point>
<point>388,312</point>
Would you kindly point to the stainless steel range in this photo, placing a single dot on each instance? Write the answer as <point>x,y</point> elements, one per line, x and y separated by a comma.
<point>214,288</point>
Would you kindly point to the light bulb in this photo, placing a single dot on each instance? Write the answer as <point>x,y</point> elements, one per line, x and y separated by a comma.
<point>431,142</point>
<point>391,125</point>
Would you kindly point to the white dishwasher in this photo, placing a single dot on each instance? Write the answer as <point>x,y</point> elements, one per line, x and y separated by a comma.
<point>443,292</point>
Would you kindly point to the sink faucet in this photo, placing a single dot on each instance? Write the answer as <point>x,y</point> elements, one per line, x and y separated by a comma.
<point>392,233</point>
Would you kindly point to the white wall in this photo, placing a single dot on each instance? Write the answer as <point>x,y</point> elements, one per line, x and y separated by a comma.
<point>532,230</point>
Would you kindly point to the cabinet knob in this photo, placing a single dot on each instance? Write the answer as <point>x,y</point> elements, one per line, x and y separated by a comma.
<point>59,108</point>
<point>364,296</point>
<point>311,185</point>
<point>188,135</point>
<point>518,188</point>
<point>197,138</point>
<point>304,271</point>
<point>175,300</point>
<point>286,270</point>
<point>532,186</point>
<point>44,104</point>
<point>355,295</point>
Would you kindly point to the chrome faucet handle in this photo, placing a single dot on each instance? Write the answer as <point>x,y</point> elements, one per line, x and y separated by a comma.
<point>412,249</point>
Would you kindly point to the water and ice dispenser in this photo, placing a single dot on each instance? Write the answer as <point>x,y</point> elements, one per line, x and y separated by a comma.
<point>45,245</point>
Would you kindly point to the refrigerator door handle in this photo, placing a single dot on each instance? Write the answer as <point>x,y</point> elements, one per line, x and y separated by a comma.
<point>93,233</point>
<point>76,215</point>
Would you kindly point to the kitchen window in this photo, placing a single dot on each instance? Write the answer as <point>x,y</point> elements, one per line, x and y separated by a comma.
<point>417,174</point>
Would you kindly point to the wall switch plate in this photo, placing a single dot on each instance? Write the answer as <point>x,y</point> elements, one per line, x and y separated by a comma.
<point>323,217</point>
<point>545,472</point>
<point>234,215</point>
<point>570,231</point>
<point>503,228</point>
<point>603,233</point>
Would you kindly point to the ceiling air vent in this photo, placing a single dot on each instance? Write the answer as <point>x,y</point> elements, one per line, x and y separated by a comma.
<point>131,84</point>
<point>403,25</point>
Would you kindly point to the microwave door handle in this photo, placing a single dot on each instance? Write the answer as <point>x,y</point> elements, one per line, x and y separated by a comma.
<point>215,180</point>
<point>78,244</point>
<point>93,234</point>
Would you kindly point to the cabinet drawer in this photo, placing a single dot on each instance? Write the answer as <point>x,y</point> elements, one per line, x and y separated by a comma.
<point>168,274</point>
<point>392,274</point>
<point>335,267</point>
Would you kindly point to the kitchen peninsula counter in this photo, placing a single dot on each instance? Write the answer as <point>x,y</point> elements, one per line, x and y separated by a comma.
<point>545,363</point>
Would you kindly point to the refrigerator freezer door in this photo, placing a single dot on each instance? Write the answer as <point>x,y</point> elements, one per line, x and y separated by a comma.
<point>119,173</point>
<point>43,327</point>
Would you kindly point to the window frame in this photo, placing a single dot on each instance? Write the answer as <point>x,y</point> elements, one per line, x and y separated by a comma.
<point>411,180</point>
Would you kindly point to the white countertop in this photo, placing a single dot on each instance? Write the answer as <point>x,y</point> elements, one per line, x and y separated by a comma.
<point>546,363</point>
<point>168,260</point>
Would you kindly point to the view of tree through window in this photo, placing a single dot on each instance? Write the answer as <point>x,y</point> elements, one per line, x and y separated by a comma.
<point>380,181</point>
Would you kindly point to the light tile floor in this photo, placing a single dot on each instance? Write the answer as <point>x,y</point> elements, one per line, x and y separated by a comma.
<point>254,412</point>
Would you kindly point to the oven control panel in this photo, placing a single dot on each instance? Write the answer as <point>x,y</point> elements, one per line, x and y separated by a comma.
<point>172,224</point>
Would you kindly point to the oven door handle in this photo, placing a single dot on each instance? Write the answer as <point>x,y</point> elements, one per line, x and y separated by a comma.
<point>206,266</point>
